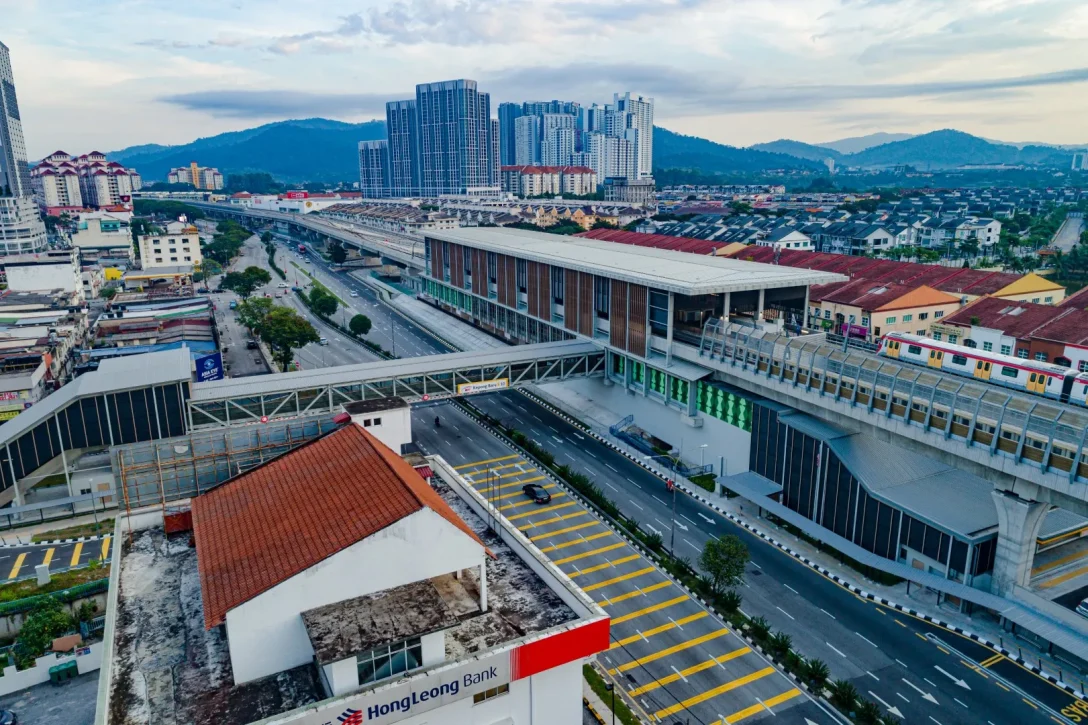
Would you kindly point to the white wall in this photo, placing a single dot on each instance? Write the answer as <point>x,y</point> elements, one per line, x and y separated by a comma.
<point>25,278</point>
<point>266,634</point>
<point>343,676</point>
<point>14,680</point>
<point>394,430</point>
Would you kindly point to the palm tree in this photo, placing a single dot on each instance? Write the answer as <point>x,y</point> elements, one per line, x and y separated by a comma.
<point>817,673</point>
<point>843,695</point>
<point>868,712</point>
<point>780,643</point>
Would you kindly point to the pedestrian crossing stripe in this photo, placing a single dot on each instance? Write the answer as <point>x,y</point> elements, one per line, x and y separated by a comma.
<point>760,707</point>
<point>693,670</point>
<point>606,565</point>
<point>658,630</point>
<point>488,460</point>
<point>631,595</point>
<point>75,554</point>
<point>660,654</point>
<point>555,519</point>
<point>579,527</point>
<point>575,542</point>
<point>618,579</point>
<point>715,691</point>
<point>647,610</point>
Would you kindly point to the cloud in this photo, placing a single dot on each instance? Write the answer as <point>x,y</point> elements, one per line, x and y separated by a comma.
<point>687,93</point>
<point>279,104</point>
<point>350,26</point>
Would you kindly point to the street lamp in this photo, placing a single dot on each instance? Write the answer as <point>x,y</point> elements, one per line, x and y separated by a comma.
<point>612,688</point>
<point>702,450</point>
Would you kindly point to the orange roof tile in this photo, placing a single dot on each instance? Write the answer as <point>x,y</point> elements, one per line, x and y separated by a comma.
<point>279,519</point>
<point>921,297</point>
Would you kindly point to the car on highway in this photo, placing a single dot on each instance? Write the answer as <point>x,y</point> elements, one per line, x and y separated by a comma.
<point>1082,608</point>
<point>7,717</point>
<point>354,294</point>
<point>323,341</point>
<point>282,285</point>
<point>537,493</point>
<point>251,345</point>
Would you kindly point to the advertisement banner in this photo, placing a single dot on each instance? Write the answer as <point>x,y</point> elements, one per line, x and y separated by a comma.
<point>9,414</point>
<point>9,396</point>
<point>297,195</point>
<point>209,367</point>
<point>483,387</point>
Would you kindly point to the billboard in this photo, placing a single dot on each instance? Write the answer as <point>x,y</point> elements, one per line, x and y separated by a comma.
<point>209,367</point>
<point>485,386</point>
<point>297,195</point>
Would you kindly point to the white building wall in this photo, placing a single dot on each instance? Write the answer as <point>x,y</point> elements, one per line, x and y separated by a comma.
<point>266,634</point>
<point>391,427</point>
<point>30,277</point>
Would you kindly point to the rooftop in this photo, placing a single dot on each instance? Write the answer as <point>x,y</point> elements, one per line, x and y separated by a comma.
<point>658,268</point>
<point>375,404</point>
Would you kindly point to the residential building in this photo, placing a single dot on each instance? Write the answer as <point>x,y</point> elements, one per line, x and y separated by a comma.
<point>509,113</point>
<point>635,113</point>
<point>786,238</point>
<point>530,181</point>
<point>454,120</point>
<point>628,189</point>
<point>201,177</point>
<point>612,157</point>
<point>103,234</point>
<point>396,610</point>
<point>1080,161</point>
<point>21,229</point>
<point>495,142</point>
<point>528,131</point>
<point>868,310</point>
<point>66,183</point>
<point>374,176</point>
<point>176,245</point>
<point>402,130</point>
<point>47,271</point>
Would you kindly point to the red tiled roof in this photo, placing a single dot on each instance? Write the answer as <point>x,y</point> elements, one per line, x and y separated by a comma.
<point>279,519</point>
<point>657,241</point>
<point>1015,319</point>
<point>1078,299</point>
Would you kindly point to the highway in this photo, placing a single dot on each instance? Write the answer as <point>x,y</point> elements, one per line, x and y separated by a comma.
<point>18,562</point>
<point>1068,233</point>
<point>899,658</point>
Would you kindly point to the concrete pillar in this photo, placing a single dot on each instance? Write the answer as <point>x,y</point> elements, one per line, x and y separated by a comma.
<point>1018,523</point>
<point>668,334</point>
<point>759,306</point>
<point>483,585</point>
<point>804,316</point>
<point>726,301</point>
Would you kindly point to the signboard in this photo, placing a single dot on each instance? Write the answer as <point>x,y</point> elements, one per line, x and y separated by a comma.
<point>850,330</point>
<point>483,387</point>
<point>9,395</point>
<point>297,195</point>
<point>9,414</point>
<point>209,367</point>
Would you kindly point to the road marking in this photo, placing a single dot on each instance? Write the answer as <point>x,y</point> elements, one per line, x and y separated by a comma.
<point>1002,686</point>
<point>594,552</point>
<point>714,692</point>
<point>757,566</point>
<point>557,439</point>
<point>537,524</point>
<point>609,485</point>
<point>482,486</point>
<point>48,556</point>
<point>606,565</point>
<point>828,613</point>
<point>866,638</point>
<point>17,566</point>
<point>574,542</point>
<point>961,703</point>
<point>636,505</point>
<point>657,630</point>
<point>992,660</point>
<point>540,511</point>
<point>655,498</point>
<point>685,518</point>
<point>899,623</point>
<point>608,465</point>
<point>691,544</point>
<point>618,579</point>
<point>705,518</point>
<point>872,675</point>
<point>902,663</point>
<point>786,613</point>
<point>1061,579</point>
<point>931,682</point>
<point>791,589</point>
<point>528,502</point>
<point>636,593</point>
<point>835,649</point>
<point>654,656</point>
<point>694,669</point>
<point>567,530</point>
<point>488,460</point>
<point>647,610</point>
<point>901,697</point>
<point>1029,702</point>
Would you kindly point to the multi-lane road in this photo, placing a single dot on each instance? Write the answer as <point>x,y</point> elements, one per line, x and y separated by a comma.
<point>927,674</point>
<point>19,562</point>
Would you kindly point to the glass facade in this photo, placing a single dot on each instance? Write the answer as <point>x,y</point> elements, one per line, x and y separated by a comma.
<point>394,659</point>
<point>725,405</point>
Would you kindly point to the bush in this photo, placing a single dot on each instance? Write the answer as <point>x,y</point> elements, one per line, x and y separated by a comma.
<point>704,481</point>
<point>760,629</point>
<point>868,713</point>
<point>779,644</point>
<point>654,541</point>
<point>730,601</point>
<point>816,673</point>
<point>844,696</point>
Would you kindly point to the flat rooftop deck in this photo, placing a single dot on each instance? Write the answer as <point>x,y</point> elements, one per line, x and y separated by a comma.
<point>168,668</point>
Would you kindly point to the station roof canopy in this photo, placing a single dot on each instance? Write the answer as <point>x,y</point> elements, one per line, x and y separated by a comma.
<point>662,269</point>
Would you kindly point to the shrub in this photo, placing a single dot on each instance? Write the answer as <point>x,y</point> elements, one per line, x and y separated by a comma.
<point>654,542</point>
<point>868,713</point>
<point>780,644</point>
<point>816,673</point>
<point>843,695</point>
<point>760,629</point>
<point>730,601</point>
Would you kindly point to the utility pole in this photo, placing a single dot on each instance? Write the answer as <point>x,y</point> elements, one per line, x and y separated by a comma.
<point>672,536</point>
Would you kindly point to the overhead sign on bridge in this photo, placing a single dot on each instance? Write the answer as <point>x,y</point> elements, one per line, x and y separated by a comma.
<point>485,386</point>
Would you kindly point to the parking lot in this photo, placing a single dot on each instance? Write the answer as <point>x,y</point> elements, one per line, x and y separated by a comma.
<point>70,703</point>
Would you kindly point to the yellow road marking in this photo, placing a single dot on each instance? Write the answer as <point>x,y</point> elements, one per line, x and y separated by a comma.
<point>618,579</point>
<point>573,542</point>
<point>567,530</point>
<point>899,623</point>
<point>992,660</point>
<point>483,489</point>
<point>1061,579</point>
<point>920,637</point>
<point>495,468</point>
<point>1058,562</point>
<point>576,557</point>
<point>489,460</point>
<point>714,692</point>
<point>1002,686</point>
<point>976,669</point>
<point>105,547</point>
<point>528,502</point>
<point>631,595</point>
<point>942,649</point>
<point>568,504</point>
<point>48,556</point>
<point>694,669</point>
<point>760,707</point>
<point>657,630</point>
<point>606,565</point>
<point>538,524</point>
<point>76,553</point>
<point>516,494</point>
<point>1034,706</point>
<point>17,566</point>
<point>647,610</point>
<point>653,657</point>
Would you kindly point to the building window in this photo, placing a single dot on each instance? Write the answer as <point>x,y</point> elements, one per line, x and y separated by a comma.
<point>1082,366</point>
<point>889,321</point>
<point>921,333</point>
<point>173,259</point>
<point>559,284</point>
<point>1006,349</point>
<point>490,694</point>
<point>1035,300</point>
<point>864,321</point>
<point>938,314</point>
<point>908,318</point>
<point>952,338</point>
<point>923,316</point>
<point>492,268</point>
<point>158,260</point>
<point>988,346</point>
<point>521,268</point>
<point>383,662</point>
<point>600,295</point>
<point>1040,356</point>
<point>1022,353</point>
<point>659,313</point>
<point>1048,300</point>
<point>827,314</point>
<point>970,343</point>
<point>852,319</point>
<point>188,259</point>
<point>937,336</point>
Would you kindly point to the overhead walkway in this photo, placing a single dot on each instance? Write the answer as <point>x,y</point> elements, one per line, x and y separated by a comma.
<point>1019,438</point>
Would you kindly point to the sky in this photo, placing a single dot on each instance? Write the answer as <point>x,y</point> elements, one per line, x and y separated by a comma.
<point>110,74</point>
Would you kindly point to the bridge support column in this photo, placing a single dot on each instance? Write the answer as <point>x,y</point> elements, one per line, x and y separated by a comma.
<point>1018,523</point>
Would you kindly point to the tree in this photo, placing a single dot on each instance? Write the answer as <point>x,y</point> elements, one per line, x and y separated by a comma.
<point>843,695</point>
<point>46,622</point>
<point>322,302</point>
<point>740,207</point>
<point>285,331</point>
<point>210,268</point>
<point>246,282</point>
<point>253,312</point>
<point>969,247</point>
<point>817,673</point>
<point>266,238</point>
<point>338,254</point>
<point>724,560</point>
<point>107,293</point>
<point>359,325</point>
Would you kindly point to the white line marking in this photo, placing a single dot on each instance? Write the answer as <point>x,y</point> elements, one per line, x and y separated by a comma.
<point>685,518</point>
<point>791,589</point>
<point>558,440</point>
<point>679,675</point>
<point>872,675</point>
<point>757,566</point>
<point>901,697</point>
<point>902,663</point>
<point>610,485</point>
<point>931,682</point>
<point>636,505</point>
<point>935,720</point>
<point>964,704</point>
<point>786,613</point>
<point>866,639</point>
<point>836,649</point>
<point>691,545</point>
<point>608,466</point>
<point>828,613</point>
<point>663,524</point>
<point>655,498</point>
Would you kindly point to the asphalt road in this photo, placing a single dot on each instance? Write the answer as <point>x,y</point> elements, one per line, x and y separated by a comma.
<point>679,662</point>
<point>895,657</point>
<point>1068,234</point>
<point>18,562</point>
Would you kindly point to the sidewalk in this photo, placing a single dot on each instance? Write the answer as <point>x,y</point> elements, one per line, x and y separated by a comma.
<point>599,418</point>
<point>23,535</point>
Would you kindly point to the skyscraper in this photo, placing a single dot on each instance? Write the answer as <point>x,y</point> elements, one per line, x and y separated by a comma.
<point>21,229</point>
<point>495,140</point>
<point>638,114</point>
<point>374,177</point>
<point>454,128</point>
<point>402,129</point>
<point>509,113</point>
<point>527,134</point>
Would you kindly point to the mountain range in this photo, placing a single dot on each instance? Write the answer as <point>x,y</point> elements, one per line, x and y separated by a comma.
<point>318,149</point>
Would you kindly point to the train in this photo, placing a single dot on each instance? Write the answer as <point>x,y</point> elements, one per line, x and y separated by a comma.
<point>1030,376</point>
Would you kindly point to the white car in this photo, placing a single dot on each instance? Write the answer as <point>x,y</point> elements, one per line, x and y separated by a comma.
<point>354,294</point>
<point>282,285</point>
<point>1082,608</point>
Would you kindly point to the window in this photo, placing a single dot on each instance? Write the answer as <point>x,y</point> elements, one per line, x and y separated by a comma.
<point>173,259</point>
<point>937,336</point>
<point>988,346</point>
<point>490,694</point>
<point>864,321</point>
<point>559,283</point>
<point>952,338</point>
<point>908,318</point>
<point>959,360</point>
<point>1035,300</point>
<point>659,313</point>
<point>921,333</point>
<point>600,289</point>
<point>394,659</point>
<point>173,250</point>
<point>1082,366</point>
<point>367,422</point>
<point>1048,300</point>
<point>923,316</point>
<point>970,343</point>
<point>827,314</point>
<point>1040,356</point>
<point>492,268</point>
<point>938,314</point>
<point>521,268</point>
<point>1009,372</point>
<point>914,349</point>
<point>889,321</point>
<point>158,259</point>
<point>188,259</point>
<point>1006,349</point>
<point>853,319</point>
<point>1022,353</point>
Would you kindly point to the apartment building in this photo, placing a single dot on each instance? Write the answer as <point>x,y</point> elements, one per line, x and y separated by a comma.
<point>201,177</point>
<point>177,245</point>
<point>530,181</point>
<point>21,229</point>
<point>63,182</point>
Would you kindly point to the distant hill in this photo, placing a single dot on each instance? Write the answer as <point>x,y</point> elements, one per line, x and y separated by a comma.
<point>854,144</point>
<point>799,149</point>
<point>677,151</point>
<point>314,149</point>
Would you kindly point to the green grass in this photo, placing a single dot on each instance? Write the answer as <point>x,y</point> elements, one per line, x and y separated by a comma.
<point>315,283</point>
<point>596,683</point>
<point>57,479</point>
<point>105,526</point>
<point>58,582</point>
